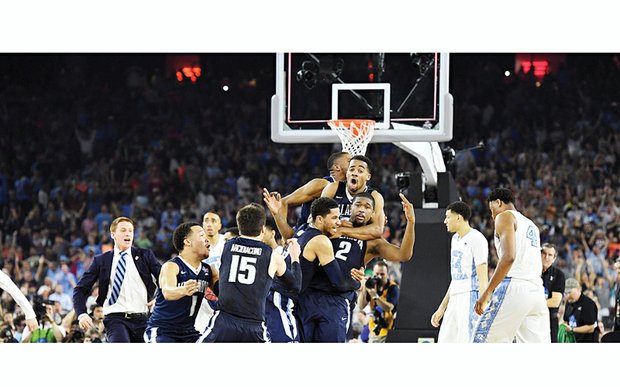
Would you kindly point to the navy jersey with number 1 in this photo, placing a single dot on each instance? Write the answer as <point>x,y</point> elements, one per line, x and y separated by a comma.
<point>173,320</point>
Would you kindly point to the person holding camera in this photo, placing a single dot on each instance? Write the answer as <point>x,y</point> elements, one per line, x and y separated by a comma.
<point>48,331</point>
<point>382,294</point>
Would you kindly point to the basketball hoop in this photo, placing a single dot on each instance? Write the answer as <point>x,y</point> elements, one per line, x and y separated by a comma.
<point>355,135</point>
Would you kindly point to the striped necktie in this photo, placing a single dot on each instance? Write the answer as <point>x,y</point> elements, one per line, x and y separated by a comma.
<point>118,278</point>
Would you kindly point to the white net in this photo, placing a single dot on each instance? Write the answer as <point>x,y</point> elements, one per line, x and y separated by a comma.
<point>355,135</point>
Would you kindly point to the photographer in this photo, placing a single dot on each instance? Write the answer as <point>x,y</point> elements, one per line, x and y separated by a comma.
<point>48,331</point>
<point>382,294</point>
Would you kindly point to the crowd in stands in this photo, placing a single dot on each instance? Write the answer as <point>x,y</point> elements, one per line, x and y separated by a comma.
<point>78,149</point>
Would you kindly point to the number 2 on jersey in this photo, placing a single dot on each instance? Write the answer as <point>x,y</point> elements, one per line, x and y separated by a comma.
<point>343,249</point>
<point>242,270</point>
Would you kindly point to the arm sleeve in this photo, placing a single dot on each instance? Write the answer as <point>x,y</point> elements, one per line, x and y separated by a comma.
<point>18,296</point>
<point>292,276</point>
<point>339,282</point>
<point>216,288</point>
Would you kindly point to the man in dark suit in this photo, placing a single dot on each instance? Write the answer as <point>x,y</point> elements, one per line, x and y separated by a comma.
<point>553,282</point>
<point>127,282</point>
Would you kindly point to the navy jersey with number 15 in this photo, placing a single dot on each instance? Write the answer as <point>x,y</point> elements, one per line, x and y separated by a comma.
<point>244,278</point>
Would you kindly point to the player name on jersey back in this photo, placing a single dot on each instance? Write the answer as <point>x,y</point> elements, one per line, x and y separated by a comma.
<point>235,248</point>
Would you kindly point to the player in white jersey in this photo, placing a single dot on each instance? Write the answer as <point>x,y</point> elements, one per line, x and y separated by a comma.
<point>212,224</point>
<point>469,254</point>
<point>518,307</point>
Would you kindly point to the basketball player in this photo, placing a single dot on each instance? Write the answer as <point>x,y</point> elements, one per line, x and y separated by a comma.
<point>362,209</point>
<point>248,266</point>
<point>325,311</point>
<point>358,175</point>
<point>517,305</point>
<point>212,224</point>
<point>337,164</point>
<point>469,254</point>
<point>183,281</point>
<point>316,249</point>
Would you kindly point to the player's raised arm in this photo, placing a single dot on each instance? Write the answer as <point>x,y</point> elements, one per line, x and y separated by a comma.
<point>292,276</point>
<point>307,192</point>
<point>279,211</point>
<point>330,190</point>
<point>390,252</point>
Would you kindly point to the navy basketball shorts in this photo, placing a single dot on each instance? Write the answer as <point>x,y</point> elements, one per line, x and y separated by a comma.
<point>226,328</point>
<point>158,335</point>
<point>281,322</point>
<point>324,317</point>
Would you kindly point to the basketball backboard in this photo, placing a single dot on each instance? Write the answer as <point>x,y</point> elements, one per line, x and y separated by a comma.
<point>405,93</point>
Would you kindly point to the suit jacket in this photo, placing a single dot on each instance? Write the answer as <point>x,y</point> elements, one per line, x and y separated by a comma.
<point>99,271</point>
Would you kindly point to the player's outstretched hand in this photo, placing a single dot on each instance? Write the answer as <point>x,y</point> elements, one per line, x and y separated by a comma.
<point>293,249</point>
<point>273,200</point>
<point>407,208</point>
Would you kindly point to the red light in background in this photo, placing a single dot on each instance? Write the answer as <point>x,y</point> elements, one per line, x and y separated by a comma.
<point>540,64</point>
<point>192,73</point>
<point>371,77</point>
<point>540,67</point>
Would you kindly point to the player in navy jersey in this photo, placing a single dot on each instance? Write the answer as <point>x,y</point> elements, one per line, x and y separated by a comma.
<point>316,250</point>
<point>337,164</point>
<point>183,281</point>
<point>248,266</point>
<point>358,175</point>
<point>328,311</point>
